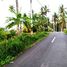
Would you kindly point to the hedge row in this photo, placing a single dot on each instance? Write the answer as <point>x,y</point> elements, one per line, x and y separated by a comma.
<point>12,47</point>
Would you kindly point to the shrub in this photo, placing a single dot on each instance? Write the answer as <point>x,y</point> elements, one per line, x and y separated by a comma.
<point>50,29</point>
<point>65,31</point>
<point>12,47</point>
<point>3,34</point>
<point>11,34</point>
<point>3,51</point>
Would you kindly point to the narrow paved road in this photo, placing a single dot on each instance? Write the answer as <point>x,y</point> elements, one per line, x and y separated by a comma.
<point>51,52</point>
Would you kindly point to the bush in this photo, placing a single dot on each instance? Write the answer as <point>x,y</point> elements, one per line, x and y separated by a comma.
<point>12,47</point>
<point>3,51</point>
<point>11,34</point>
<point>2,35</point>
<point>50,29</point>
<point>65,31</point>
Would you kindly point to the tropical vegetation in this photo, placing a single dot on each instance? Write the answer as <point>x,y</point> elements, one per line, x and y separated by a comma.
<point>13,41</point>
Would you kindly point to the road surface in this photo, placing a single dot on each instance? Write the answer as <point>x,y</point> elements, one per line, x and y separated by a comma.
<point>51,52</point>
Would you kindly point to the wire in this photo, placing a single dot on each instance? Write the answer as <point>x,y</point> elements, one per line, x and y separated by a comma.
<point>39,3</point>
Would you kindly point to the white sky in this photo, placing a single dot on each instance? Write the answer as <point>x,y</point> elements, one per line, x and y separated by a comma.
<point>24,6</point>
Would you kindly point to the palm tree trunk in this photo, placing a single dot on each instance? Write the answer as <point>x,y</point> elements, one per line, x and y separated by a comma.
<point>20,28</point>
<point>17,29</point>
<point>62,26</point>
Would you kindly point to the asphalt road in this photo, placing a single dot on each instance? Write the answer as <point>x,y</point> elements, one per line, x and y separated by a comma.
<point>51,52</point>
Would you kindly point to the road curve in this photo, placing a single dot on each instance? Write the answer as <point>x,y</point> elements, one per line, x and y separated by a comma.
<point>51,52</point>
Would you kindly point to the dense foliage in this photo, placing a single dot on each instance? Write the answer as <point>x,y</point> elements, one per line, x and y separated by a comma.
<point>12,42</point>
<point>12,47</point>
<point>4,34</point>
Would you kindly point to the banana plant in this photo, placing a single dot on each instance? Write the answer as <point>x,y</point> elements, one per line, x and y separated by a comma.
<point>16,20</point>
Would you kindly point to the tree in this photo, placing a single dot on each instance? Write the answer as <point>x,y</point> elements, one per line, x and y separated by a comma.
<point>44,10</point>
<point>55,19</point>
<point>35,22</point>
<point>39,22</point>
<point>62,15</point>
<point>26,22</point>
<point>17,20</point>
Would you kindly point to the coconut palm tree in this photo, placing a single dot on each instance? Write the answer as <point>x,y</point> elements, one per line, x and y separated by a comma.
<point>44,10</point>
<point>55,19</point>
<point>39,22</point>
<point>62,13</point>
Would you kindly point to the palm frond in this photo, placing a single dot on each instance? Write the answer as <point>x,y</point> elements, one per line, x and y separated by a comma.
<point>11,8</point>
<point>10,25</point>
<point>10,19</point>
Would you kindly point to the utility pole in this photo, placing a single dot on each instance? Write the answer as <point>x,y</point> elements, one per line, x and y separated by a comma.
<point>17,6</point>
<point>31,14</point>
<point>31,10</point>
<point>19,28</point>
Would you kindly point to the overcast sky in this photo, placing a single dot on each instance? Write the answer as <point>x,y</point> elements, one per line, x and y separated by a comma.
<point>24,6</point>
